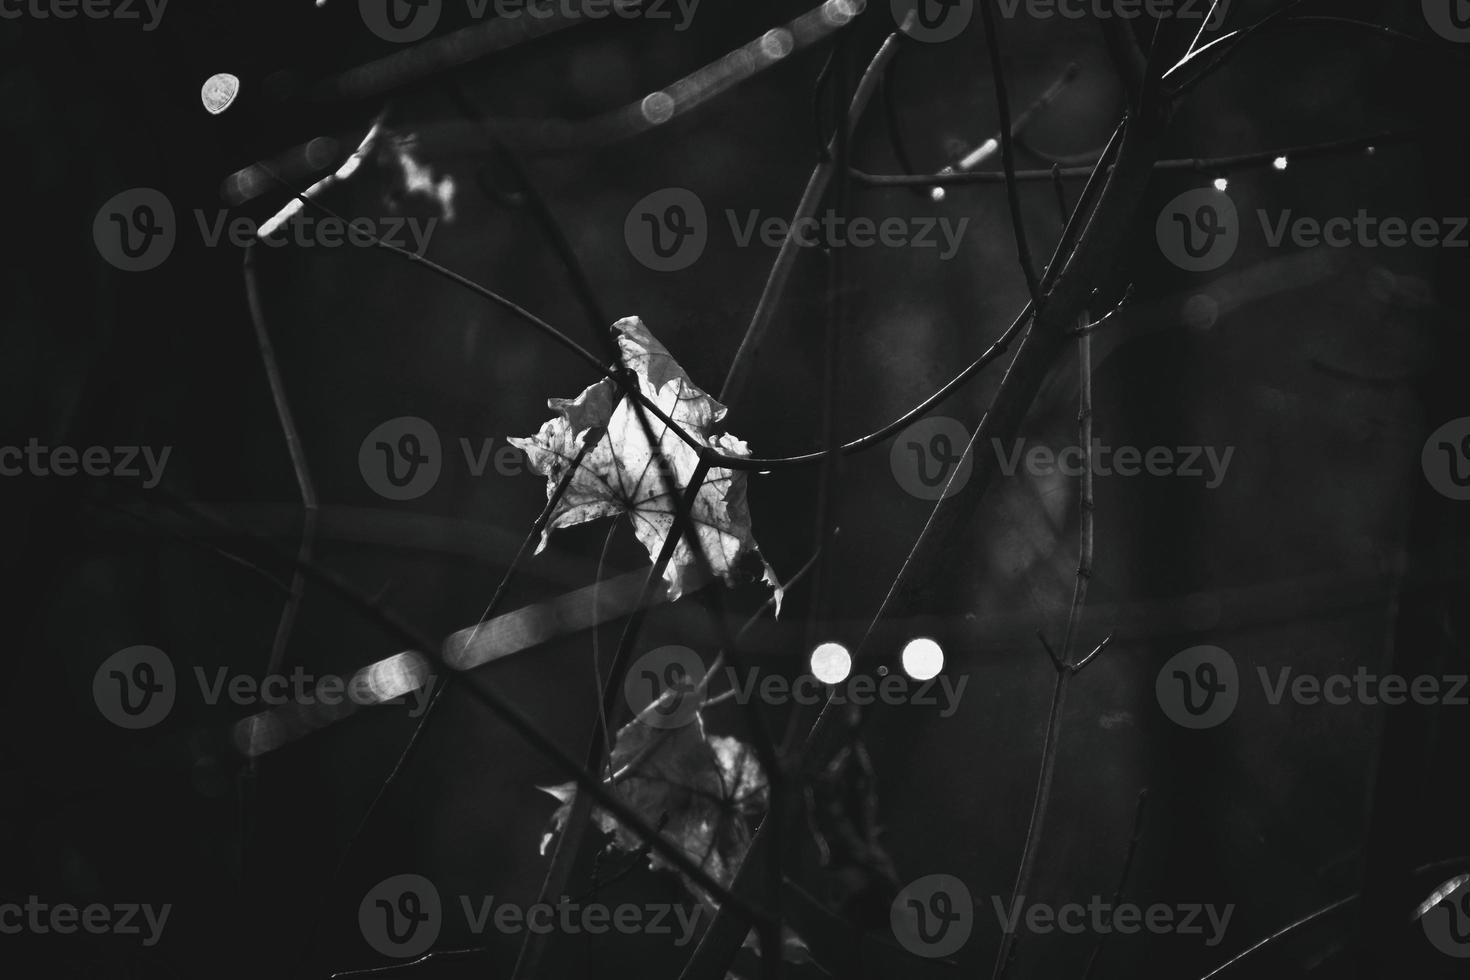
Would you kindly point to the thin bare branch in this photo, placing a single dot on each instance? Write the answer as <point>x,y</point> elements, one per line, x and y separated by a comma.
<point>1008,154</point>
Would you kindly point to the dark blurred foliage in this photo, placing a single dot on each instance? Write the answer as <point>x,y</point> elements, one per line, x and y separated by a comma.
<point>1325,369</point>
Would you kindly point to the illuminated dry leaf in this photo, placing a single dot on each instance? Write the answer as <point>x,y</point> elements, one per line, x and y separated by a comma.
<point>620,474</point>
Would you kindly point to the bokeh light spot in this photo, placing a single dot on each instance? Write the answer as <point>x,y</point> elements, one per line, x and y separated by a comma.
<point>831,663</point>
<point>923,658</point>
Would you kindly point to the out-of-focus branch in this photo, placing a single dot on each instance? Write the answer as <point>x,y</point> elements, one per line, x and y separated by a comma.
<point>816,188</point>
<point>1008,155</point>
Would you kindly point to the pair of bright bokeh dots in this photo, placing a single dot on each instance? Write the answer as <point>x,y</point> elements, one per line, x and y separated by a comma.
<point>922,660</point>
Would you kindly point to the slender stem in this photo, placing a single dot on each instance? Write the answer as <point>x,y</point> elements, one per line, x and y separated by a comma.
<point>816,188</point>
<point>285,625</point>
<point>1008,153</point>
<point>569,841</point>
<point>1039,804</point>
<point>1219,164</point>
<point>400,765</point>
<point>1123,873</point>
<point>1282,933</point>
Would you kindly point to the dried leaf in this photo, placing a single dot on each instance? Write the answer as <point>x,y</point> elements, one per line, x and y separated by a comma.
<point>705,792</point>
<point>620,474</point>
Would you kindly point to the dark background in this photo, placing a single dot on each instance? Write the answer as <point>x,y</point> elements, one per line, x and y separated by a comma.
<point>1324,550</point>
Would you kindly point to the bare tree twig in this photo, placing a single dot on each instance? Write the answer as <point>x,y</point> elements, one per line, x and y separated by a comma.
<point>1008,155</point>
<point>1123,873</point>
<point>1220,164</point>
<point>816,188</point>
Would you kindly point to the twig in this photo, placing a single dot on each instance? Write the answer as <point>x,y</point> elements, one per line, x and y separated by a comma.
<point>285,625</point>
<point>569,841</point>
<point>1128,854</point>
<point>349,167</point>
<point>1282,933</point>
<point>1229,42</point>
<point>1008,155</point>
<point>811,198</point>
<point>1220,164</point>
<point>1103,320</point>
<point>988,149</point>
<point>1064,667</point>
<point>400,765</point>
